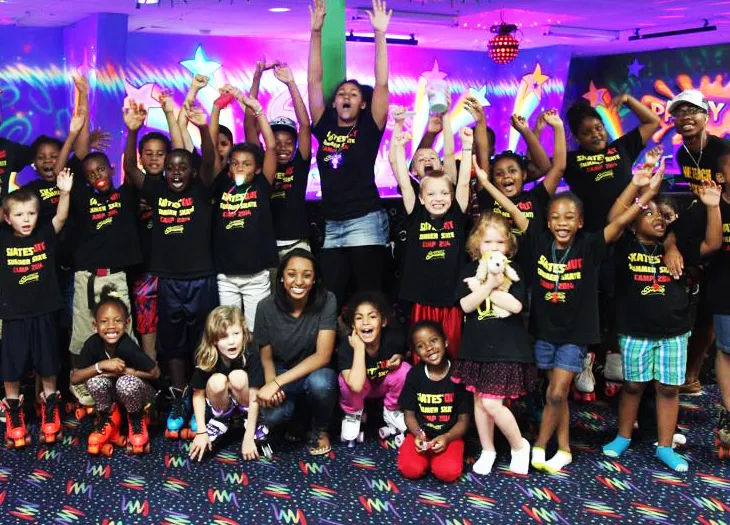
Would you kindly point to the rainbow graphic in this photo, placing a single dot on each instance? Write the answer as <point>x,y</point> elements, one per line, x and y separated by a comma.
<point>527,99</point>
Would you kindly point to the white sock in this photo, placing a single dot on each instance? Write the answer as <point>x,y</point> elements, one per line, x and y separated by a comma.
<point>558,461</point>
<point>520,463</point>
<point>485,462</point>
<point>538,458</point>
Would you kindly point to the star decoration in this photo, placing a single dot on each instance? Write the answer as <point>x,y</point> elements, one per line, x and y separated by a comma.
<point>200,65</point>
<point>480,95</point>
<point>143,94</point>
<point>435,73</point>
<point>534,81</point>
<point>635,68</point>
<point>597,97</point>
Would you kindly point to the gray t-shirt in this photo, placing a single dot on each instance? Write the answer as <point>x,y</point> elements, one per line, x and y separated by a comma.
<point>292,339</point>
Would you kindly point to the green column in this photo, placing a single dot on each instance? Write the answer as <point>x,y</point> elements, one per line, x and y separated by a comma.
<point>333,46</point>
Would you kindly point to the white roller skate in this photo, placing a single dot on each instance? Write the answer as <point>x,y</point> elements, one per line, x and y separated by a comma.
<point>584,384</point>
<point>352,428</point>
<point>395,425</point>
<point>613,373</point>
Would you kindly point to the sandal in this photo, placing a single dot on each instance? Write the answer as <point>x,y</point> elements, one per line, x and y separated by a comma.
<point>320,444</point>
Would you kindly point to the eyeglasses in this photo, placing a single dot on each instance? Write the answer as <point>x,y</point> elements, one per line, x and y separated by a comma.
<point>687,111</point>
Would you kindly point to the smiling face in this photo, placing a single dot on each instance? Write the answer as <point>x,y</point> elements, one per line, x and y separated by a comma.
<point>348,103</point>
<point>564,221</point>
<point>153,157</point>
<point>298,278</point>
<point>367,322</point>
<point>429,345</point>
<point>436,195</point>
<point>425,161</point>
<point>592,134</point>
<point>110,322</point>
<point>230,345</point>
<point>45,160</point>
<point>178,172</point>
<point>98,173</point>
<point>494,240</point>
<point>650,224</point>
<point>285,144</point>
<point>689,120</point>
<point>22,217</point>
<point>508,177</point>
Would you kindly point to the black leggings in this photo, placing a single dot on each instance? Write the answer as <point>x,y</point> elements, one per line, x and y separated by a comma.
<point>362,264</point>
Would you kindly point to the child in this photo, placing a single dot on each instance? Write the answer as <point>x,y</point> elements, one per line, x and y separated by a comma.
<point>29,299</point>
<point>371,364</point>
<point>436,410</point>
<point>495,358</point>
<point>244,245</point>
<point>434,240</point>
<point>227,377</point>
<point>115,371</point>
<point>181,253</point>
<point>653,316</point>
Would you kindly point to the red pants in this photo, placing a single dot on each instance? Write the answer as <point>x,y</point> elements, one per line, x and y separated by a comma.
<point>449,317</point>
<point>446,467</point>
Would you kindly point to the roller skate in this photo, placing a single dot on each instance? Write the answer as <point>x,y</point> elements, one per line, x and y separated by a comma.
<point>188,433</point>
<point>106,434</point>
<point>138,440</point>
<point>722,434</point>
<point>395,425</point>
<point>351,430</point>
<point>84,405</point>
<point>50,418</point>
<point>261,436</point>
<point>613,373</point>
<point>179,411</point>
<point>16,434</point>
<point>584,384</point>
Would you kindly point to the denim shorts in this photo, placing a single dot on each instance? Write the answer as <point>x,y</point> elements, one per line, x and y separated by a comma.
<point>566,357</point>
<point>369,230</point>
<point>722,332</point>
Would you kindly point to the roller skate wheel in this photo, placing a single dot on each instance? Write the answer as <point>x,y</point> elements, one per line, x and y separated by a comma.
<point>187,434</point>
<point>350,444</point>
<point>107,449</point>
<point>42,438</point>
<point>80,413</point>
<point>384,432</point>
<point>120,441</point>
<point>399,439</point>
<point>722,453</point>
<point>93,450</point>
<point>69,407</point>
<point>267,452</point>
<point>147,448</point>
<point>172,434</point>
<point>21,442</point>
<point>361,437</point>
<point>576,396</point>
<point>679,440</point>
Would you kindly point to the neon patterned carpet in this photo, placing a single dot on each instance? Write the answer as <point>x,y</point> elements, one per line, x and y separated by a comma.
<point>361,485</point>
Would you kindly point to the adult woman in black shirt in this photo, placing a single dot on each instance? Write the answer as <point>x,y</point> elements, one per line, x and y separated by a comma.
<point>349,130</point>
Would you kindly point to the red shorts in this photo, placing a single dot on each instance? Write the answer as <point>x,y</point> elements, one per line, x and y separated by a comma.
<point>449,317</point>
<point>145,303</point>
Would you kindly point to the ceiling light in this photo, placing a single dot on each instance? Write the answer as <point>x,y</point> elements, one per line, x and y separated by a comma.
<point>140,3</point>
<point>503,48</point>
<point>406,40</point>
<point>702,29</point>
<point>279,9</point>
<point>581,32</point>
<point>415,18</point>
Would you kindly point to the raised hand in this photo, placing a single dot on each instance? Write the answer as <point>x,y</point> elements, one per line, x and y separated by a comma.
<point>379,16</point>
<point>317,12</point>
<point>263,65</point>
<point>552,118</point>
<point>618,101</point>
<point>540,123</point>
<point>166,102</point>
<point>710,193</point>
<point>642,177</point>
<point>475,109</point>
<point>250,103</point>
<point>99,139</point>
<point>77,123</point>
<point>435,124</point>
<point>520,123</point>
<point>656,180</point>
<point>466,135</point>
<point>401,139</point>
<point>654,155</point>
<point>65,180</point>
<point>399,114</point>
<point>283,73</point>
<point>134,115</point>
<point>199,82</point>
<point>196,115</point>
<point>81,83</point>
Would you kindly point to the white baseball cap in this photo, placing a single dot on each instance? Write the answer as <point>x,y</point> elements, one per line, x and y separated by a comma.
<point>689,96</point>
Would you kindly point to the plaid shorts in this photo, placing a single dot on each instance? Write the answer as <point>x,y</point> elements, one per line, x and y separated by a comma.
<point>664,360</point>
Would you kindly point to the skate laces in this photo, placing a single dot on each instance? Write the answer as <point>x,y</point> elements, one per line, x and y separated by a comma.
<point>13,412</point>
<point>178,408</point>
<point>51,402</point>
<point>135,420</point>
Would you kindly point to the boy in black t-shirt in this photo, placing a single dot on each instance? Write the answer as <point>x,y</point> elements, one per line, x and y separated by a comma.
<point>29,299</point>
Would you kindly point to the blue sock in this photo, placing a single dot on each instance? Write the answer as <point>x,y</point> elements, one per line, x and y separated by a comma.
<point>616,447</point>
<point>671,459</point>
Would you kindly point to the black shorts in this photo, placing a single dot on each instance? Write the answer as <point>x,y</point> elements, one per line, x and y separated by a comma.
<point>182,307</point>
<point>34,340</point>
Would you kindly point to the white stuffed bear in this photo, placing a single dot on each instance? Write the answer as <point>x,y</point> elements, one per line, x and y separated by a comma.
<point>497,263</point>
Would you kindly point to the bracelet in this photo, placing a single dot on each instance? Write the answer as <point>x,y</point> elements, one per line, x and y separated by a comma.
<point>637,201</point>
<point>258,113</point>
<point>465,149</point>
<point>201,433</point>
<point>98,370</point>
<point>276,383</point>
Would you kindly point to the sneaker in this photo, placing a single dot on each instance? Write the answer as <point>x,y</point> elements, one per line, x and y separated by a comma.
<point>723,426</point>
<point>395,418</point>
<point>692,388</point>
<point>81,393</point>
<point>351,426</point>
<point>585,382</point>
<point>613,370</point>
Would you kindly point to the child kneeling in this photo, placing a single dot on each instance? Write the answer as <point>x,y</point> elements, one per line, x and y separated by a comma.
<point>436,410</point>
<point>226,378</point>
<point>115,370</point>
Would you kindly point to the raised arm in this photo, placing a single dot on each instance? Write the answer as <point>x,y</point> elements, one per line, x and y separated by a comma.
<point>710,194</point>
<point>649,120</point>
<point>207,148</point>
<point>253,105</point>
<point>284,74</point>
<point>398,121</point>
<point>481,136</point>
<point>379,19</point>
<point>518,218</point>
<point>64,181</point>
<point>168,107</point>
<point>83,141</point>
<point>627,207</point>
<point>250,127</point>
<point>556,171</point>
<point>355,376</point>
<point>223,101</point>
<point>77,124</point>
<point>199,82</point>
<point>134,117</point>
<point>462,184</point>
<point>400,168</point>
<point>315,89</point>
<point>534,148</point>
<point>449,144</point>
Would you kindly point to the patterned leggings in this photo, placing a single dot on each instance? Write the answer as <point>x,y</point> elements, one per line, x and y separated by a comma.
<point>132,392</point>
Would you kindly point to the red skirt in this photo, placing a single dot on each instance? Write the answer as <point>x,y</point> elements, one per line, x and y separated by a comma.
<point>497,379</point>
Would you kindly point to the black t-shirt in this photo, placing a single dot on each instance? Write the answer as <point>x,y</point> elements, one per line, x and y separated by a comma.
<point>48,195</point>
<point>376,366</point>
<point>243,236</point>
<point>436,404</point>
<point>649,302</point>
<point>127,350</point>
<point>106,227</point>
<point>718,272</point>
<point>346,160</point>
<point>488,338</point>
<point>13,158</point>
<point>288,199</point>
<point>28,283</point>
<point>252,367</point>
<point>433,257</point>
<point>599,178</point>
<point>564,306</point>
<point>145,227</point>
<point>696,168</point>
<point>182,229</point>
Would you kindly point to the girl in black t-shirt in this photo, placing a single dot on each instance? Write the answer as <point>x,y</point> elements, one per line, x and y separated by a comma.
<point>226,378</point>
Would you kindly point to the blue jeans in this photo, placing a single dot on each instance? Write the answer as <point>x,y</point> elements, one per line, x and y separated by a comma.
<point>369,230</point>
<point>320,390</point>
